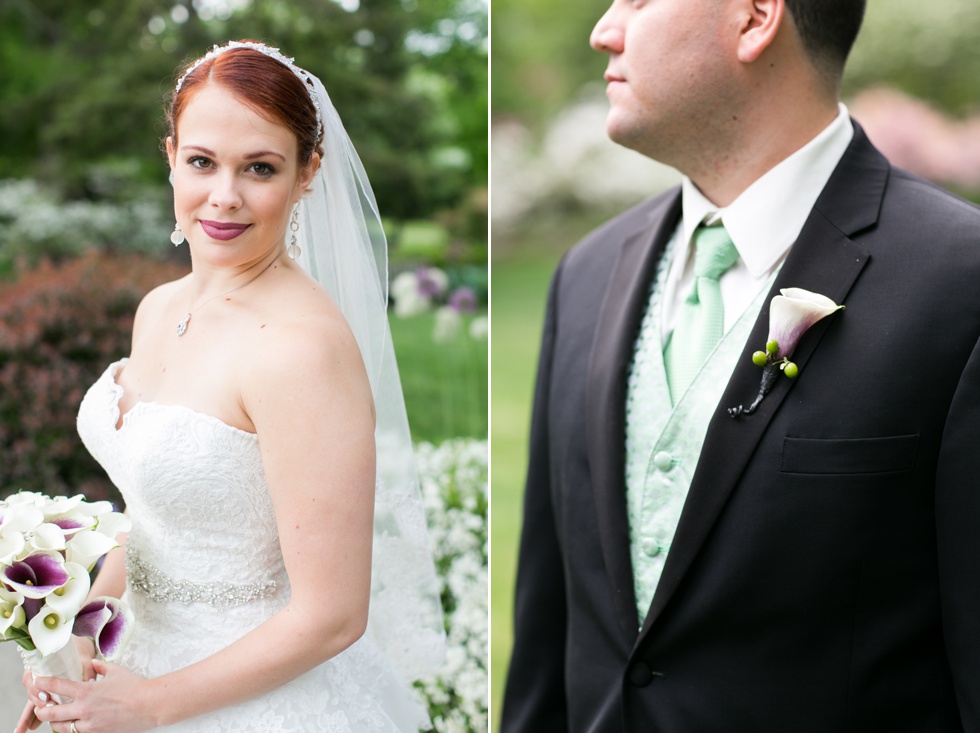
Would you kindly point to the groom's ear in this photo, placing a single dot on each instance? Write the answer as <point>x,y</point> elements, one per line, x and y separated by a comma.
<point>759,22</point>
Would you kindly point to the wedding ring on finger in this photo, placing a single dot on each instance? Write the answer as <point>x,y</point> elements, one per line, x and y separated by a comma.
<point>73,729</point>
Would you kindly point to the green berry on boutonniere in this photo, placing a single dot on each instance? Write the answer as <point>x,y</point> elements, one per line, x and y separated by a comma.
<point>790,315</point>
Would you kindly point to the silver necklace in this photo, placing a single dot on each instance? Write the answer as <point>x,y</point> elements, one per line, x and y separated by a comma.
<point>182,326</point>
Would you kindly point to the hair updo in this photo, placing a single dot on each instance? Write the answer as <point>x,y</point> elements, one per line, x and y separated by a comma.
<point>260,82</point>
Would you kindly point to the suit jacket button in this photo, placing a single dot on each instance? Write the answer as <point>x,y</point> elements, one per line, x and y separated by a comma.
<point>640,674</point>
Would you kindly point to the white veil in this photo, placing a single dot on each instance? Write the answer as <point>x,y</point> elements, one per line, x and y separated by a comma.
<point>343,247</point>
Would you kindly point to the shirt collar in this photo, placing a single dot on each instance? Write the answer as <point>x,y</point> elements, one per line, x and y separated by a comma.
<point>767,217</point>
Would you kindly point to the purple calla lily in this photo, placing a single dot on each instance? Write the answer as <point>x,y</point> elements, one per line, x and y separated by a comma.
<point>37,575</point>
<point>792,313</point>
<point>108,622</point>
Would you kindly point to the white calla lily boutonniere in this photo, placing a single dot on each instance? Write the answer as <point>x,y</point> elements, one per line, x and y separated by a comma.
<point>791,314</point>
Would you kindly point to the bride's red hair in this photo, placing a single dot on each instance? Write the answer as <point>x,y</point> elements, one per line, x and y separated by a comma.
<point>260,82</point>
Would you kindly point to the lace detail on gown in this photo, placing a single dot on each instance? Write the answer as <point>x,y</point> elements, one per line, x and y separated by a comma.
<point>196,493</point>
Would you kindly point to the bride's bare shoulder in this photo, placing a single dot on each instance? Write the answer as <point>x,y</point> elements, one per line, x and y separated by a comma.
<point>307,332</point>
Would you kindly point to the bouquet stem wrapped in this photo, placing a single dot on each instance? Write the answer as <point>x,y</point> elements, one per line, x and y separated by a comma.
<point>64,663</point>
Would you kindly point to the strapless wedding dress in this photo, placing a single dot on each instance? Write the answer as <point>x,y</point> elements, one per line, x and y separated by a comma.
<point>204,567</point>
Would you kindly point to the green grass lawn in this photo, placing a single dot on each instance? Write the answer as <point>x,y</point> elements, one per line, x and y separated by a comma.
<point>523,263</point>
<point>519,291</point>
<point>445,384</point>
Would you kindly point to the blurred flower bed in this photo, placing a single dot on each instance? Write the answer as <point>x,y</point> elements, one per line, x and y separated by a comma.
<point>60,327</point>
<point>453,478</point>
<point>451,296</point>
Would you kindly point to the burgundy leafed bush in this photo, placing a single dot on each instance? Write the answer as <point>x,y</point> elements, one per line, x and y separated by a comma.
<point>60,326</point>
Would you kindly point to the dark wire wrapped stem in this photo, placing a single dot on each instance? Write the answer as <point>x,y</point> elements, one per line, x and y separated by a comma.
<point>769,374</point>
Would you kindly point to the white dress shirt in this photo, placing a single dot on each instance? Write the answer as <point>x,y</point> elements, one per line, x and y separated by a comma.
<point>763,223</point>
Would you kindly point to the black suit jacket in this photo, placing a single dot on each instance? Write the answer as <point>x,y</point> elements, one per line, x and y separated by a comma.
<point>825,572</point>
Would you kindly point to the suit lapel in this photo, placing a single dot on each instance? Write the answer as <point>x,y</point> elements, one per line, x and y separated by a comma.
<point>823,260</point>
<point>619,319</point>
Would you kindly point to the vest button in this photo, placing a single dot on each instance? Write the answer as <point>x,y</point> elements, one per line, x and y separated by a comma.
<point>640,674</point>
<point>650,547</point>
<point>663,460</point>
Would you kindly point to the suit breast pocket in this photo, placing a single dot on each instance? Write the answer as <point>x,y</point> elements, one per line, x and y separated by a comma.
<point>853,456</point>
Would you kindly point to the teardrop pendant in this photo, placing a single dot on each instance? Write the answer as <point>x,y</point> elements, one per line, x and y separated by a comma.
<point>293,249</point>
<point>182,326</point>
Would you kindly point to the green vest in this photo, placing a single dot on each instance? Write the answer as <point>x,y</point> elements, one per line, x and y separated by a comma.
<point>663,444</point>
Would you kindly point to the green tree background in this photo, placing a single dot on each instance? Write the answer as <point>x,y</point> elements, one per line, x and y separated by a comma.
<point>82,87</point>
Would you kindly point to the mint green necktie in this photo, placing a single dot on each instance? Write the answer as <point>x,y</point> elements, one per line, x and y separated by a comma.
<point>701,320</point>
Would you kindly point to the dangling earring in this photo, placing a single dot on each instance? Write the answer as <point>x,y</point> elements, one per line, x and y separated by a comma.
<point>178,236</point>
<point>293,249</point>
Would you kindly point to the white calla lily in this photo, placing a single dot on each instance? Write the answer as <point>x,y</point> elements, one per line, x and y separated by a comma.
<point>11,547</point>
<point>113,524</point>
<point>48,537</point>
<point>24,497</point>
<point>11,610</point>
<point>94,509</point>
<point>70,597</point>
<point>20,517</point>
<point>58,505</point>
<point>49,630</point>
<point>87,547</point>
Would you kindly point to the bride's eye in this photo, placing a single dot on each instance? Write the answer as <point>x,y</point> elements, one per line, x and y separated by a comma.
<point>200,162</point>
<point>262,169</point>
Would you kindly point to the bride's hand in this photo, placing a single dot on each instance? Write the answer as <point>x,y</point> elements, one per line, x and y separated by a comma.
<point>113,704</point>
<point>28,721</point>
<point>87,653</point>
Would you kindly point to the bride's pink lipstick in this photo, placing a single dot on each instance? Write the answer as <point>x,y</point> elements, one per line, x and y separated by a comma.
<point>222,230</point>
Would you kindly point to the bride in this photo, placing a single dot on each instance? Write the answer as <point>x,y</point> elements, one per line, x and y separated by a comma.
<point>257,432</point>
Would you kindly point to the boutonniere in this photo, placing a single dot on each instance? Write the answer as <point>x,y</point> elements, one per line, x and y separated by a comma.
<point>790,316</point>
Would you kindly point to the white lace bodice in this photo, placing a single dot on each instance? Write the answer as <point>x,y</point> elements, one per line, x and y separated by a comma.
<point>203,530</point>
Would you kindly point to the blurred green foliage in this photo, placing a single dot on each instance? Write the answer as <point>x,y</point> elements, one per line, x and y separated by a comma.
<point>445,383</point>
<point>82,87</point>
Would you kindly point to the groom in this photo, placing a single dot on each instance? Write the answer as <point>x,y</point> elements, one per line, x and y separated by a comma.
<point>813,566</point>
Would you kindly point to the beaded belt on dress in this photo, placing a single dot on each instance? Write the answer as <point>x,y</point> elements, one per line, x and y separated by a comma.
<point>154,583</point>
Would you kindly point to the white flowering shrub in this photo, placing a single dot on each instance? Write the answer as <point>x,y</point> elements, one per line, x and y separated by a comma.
<point>34,222</point>
<point>453,476</point>
<point>574,166</point>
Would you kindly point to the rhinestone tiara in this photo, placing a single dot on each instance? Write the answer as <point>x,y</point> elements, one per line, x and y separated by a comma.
<point>272,53</point>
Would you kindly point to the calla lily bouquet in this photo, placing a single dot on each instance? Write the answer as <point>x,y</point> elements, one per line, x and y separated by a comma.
<point>791,314</point>
<point>48,547</point>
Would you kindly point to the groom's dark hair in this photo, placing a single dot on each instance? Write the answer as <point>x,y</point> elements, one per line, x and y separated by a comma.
<point>827,30</point>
